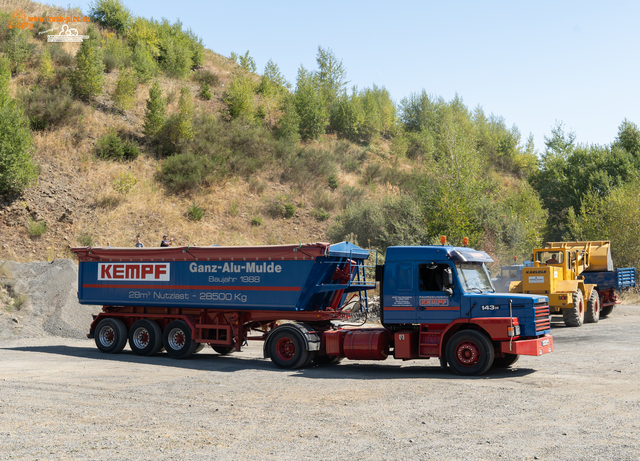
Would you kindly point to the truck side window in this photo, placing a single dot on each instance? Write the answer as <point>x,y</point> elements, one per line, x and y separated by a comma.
<point>404,277</point>
<point>431,277</point>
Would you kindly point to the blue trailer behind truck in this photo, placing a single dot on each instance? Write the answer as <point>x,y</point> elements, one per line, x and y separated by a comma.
<point>608,282</point>
<point>436,301</point>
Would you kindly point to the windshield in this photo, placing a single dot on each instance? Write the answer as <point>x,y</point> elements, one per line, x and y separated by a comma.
<point>474,277</point>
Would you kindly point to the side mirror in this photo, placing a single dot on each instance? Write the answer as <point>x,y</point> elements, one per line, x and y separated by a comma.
<point>448,281</point>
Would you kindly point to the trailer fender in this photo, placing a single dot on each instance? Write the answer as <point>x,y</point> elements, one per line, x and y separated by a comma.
<point>309,335</point>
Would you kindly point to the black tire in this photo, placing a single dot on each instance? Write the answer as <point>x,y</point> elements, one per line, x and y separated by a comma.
<point>223,350</point>
<point>326,360</point>
<point>506,361</point>
<point>287,349</point>
<point>606,310</point>
<point>592,314</point>
<point>177,340</point>
<point>574,317</point>
<point>443,362</point>
<point>111,336</point>
<point>145,338</point>
<point>470,353</point>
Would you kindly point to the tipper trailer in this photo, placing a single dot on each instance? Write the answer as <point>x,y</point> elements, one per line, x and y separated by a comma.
<point>436,301</point>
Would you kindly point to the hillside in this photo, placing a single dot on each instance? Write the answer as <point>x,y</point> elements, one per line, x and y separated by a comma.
<point>140,131</point>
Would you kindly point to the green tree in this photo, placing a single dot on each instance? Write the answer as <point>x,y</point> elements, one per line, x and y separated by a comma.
<point>155,115</point>
<point>239,96</point>
<point>331,76</point>
<point>17,49</point>
<point>628,138</point>
<point>144,64</point>
<point>87,80</point>
<point>289,122</point>
<point>46,71</point>
<point>124,95</point>
<point>17,170</point>
<point>185,115</point>
<point>310,106</point>
<point>112,14</point>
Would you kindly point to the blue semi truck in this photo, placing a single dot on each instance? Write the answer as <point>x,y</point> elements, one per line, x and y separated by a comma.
<point>436,301</point>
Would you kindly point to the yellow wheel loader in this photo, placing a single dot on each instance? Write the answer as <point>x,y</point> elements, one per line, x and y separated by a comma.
<point>556,273</point>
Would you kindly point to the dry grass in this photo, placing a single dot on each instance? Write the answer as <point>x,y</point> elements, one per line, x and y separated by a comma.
<point>630,296</point>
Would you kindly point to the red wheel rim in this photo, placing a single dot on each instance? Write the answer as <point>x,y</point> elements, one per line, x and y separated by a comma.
<point>285,348</point>
<point>467,354</point>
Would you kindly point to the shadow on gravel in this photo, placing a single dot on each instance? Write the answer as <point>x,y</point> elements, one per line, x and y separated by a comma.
<point>390,369</point>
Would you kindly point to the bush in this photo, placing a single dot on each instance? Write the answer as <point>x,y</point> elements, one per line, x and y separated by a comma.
<point>256,221</point>
<point>47,108</point>
<point>124,182</point>
<point>46,71</point>
<point>239,97</point>
<point>124,95</point>
<point>17,170</point>
<point>195,212</point>
<point>115,53</point>
<point>112,14</point>
<point>320,214</point>
<point>17,49</point>
<point>85,239</point>
<point>205,92</point>
<point>59,55</point>
<point>332,182</point>
<point>111,147</point>
<point>36,228</point>
<point>281,207</point>
<point>184,172</point>
<point>144,64</point>
<point>206,76</point>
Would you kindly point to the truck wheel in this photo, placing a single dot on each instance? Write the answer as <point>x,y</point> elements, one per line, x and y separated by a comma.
<point>506,361</point>
<point>325,360</point>
<point>145,338</point>
<point>223,350</point>
<point>111,335</point>
<point>470,353</point>
<point>287,349</point>
<point>574,317</point>
<point>177,340</point>
<point>606,310</point>
<point>592,314</point>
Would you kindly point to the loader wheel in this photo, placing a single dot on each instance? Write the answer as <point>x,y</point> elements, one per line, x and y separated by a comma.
<point>574,317</point>
<point>606,310</point>
<point>506,361</point>
<point>177,340</point>
<point>111,336</point>
<point>145,338</point>
<point>592,314</point>
<point>287,349</point>
<point>223,350</point>
<point>470,353</point>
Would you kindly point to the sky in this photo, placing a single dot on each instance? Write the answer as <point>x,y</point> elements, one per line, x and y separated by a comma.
<point>532,63</point>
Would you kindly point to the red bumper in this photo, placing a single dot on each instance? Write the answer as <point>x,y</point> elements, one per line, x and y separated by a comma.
<point>538,346</point>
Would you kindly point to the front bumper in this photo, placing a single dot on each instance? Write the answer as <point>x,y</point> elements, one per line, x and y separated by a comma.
<point>537,346</point>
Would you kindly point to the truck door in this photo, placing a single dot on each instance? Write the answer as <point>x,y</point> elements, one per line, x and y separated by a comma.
<point>399,301</point>
<point>434,305</point>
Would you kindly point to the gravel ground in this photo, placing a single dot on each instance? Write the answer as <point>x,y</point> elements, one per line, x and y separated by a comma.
<point>62,399</point>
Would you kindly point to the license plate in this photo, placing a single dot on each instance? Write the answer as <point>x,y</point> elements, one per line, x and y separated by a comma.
<point>545,342</point>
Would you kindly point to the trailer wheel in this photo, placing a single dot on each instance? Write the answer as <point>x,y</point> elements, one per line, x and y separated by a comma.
<point>574,317</point>
<point>470,353</point>
<point>223,350</point>
<point>592,314</point>
<point>286,349</point>
<point>178,341</point>
<point>111,336</point>
<point>506,361</point>
<point>325,360</point>
<point>606,310</point>
<point>145,338</point>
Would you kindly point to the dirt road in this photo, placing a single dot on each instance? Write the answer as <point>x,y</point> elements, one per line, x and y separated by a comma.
<point>62,399</point>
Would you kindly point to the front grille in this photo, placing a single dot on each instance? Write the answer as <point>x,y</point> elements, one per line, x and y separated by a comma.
<point>543,321</point>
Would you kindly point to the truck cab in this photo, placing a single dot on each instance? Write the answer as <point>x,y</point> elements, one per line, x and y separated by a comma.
<point>439,292</point>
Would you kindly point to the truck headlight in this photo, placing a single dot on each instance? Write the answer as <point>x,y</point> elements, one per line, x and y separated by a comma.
<point>514,331</point>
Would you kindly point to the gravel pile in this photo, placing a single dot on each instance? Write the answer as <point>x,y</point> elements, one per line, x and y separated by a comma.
<point>48,292</point>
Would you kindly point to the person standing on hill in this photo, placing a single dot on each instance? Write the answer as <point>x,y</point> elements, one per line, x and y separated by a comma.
<point>166,241</point>
<point>139,244</point>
